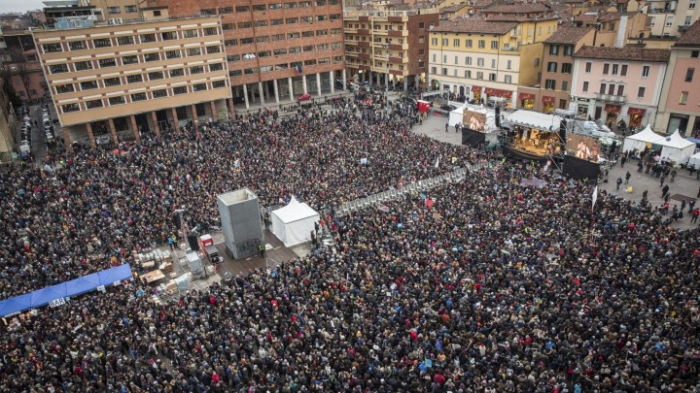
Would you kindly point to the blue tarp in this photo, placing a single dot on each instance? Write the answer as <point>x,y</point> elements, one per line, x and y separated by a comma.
<point>44,296</point>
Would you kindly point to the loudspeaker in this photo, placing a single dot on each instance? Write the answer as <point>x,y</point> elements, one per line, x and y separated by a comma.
<point>562,131</point>
<point>192,241</point>
<point>498,116</point>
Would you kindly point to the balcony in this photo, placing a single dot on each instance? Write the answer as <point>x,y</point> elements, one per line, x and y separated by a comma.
<point>660,11</point>
<point>610,98</point>
<point>683,28</point>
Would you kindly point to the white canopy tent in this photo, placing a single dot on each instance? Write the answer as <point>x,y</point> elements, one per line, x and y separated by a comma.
<point>536,120</point>
<point>694,160</point>
<point>676,148</point>
<point>640,140</point>
<point>294,223</point>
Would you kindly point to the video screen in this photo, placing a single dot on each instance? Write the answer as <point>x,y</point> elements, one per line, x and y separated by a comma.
<point>475,121</point>
<point>583,147</point>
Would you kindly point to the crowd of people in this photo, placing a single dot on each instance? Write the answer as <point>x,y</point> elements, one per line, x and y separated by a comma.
<point>496,286</point>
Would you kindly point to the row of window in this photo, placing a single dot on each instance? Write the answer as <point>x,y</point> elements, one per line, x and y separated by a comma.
<point>613,89</point>
<point>266,7</point>
<point>468,43</point>
<point>281,21</point>
<point>565,67</point>
<point>480,62</point>
<point>286,66</point>
<point>117,9</point>
<point>568,50</point>
<point>617,69</point>
<point>138,78</point>
<point>349,25</point>
<point>282,51</point>
<point>479,75</point>
<point>130,59</point>
<point>129,40</point>
<point>141,96</point>
<point>377,64</point>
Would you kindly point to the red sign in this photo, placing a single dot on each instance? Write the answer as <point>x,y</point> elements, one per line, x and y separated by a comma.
<point>636,111</point>
<point>527,96</point>
<point>498,92</point>
<point>612,108</point>
<point>476,88</point>
<point>548,100</point>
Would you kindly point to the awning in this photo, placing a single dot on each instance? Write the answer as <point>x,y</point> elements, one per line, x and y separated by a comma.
<point>548,100</point>
<point>636,111</point>
<point>498,92</point>
<point>527,96</point>
<point>612,108</point>
<point>476,88</point>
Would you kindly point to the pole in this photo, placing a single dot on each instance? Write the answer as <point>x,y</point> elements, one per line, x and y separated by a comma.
<point>387,75</point>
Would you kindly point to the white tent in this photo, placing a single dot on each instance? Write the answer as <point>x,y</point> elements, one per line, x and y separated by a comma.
<point>530,119</point>
<point>640,140</point>
<point>694,160</point>
<point>676,148</point>
<point>294,223</point>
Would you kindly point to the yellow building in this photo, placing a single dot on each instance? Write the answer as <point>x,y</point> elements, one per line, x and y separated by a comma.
<point>482,58</point>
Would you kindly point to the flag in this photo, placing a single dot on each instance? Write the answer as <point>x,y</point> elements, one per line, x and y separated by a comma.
<point>437,162</point>
<point>595,196</point>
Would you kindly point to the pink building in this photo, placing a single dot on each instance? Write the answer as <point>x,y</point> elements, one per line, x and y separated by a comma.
<point>679,107</point>
<point>616,84</point>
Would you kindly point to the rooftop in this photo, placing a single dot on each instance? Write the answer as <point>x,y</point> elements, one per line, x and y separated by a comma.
<point>568,35</point>
<point>475,25</point>
<point>632,53</point>
<point>453,8</point>
<point>527,8</point>
<point>691,37</point>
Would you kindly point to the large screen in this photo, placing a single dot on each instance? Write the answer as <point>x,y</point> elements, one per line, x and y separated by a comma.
<point>583,147</point>
<point>475,121</point>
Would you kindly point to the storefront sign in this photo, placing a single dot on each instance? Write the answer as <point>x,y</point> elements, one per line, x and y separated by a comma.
<point>612,108</point>
<point>476,88</point>
<point>548,100</point>
<point>498,92</point>
<point>527,96</point>
<point>636,111</point>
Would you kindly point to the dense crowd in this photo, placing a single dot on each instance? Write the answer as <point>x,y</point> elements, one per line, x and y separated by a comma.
<point>495,287</point>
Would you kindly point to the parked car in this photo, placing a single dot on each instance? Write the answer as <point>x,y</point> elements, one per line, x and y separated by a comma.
<point>448,108</point>
<point>304,97</point>
<point>25,150</point>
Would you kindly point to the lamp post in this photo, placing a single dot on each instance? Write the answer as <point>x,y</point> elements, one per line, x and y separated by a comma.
<point>386,92</point>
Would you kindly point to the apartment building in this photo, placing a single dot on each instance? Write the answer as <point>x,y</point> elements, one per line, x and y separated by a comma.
<point>8,123</point>
<point>480,58</point>
<point>276,50</point>
<point>614,28</point>
<point>19,62</point>
<point>554,88</point>
<point>616,84</point>
<point>389,44</point>
<point>118,81</point>
<point>679,107</point>
<point>667,18</point>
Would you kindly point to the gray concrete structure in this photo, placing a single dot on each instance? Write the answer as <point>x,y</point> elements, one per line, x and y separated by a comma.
<point>241,222</point>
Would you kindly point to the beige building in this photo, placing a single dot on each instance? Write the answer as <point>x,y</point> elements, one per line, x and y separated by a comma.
<point>667,18</point>
<point>116,81</point>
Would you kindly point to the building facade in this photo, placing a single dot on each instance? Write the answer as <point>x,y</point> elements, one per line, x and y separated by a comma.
<point>680,98</point>
<point>19,62</point>
<point>667,18</point>
<point>616,84</point>
<point>554,88</point>
<point>393,44</point>
<point>114,82</point>
<point>276,51</point>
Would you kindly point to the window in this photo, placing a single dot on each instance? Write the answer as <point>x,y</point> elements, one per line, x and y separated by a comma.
<point>278,37</point>
<point>104,63</point>
<point>291,21</point>
<point>77,45</point>
<point>444,71</point>
<point>445,42</point>
<point>320,3</point>
<point>480,62</point>
<point>125,40</point>
<point>276,22</point>
<point>93,104</point>
<point>307,34</point>
<point>68,88</point>
<point>482,44</point>
<point>623,70</point>
<point>669,20</point>
<point>180,90</point>
<point>469,43</point>
<point>434,41</point>
<point>288,6</point>
<point>689,74</point>
<point>218,84</point>
<point>83,65</point>
<point>199,87</point>
<point>691,5</point>
<point>467,74</point>
<point>645,71</point>
<point>641,91</point>
<point>138,97</point>
<point>566,68</point>
<point>134,78</point>
<point>197,70</point>
<point>112,82</point>
<point>291,36</point>
<point>260,23</point>
<point>213,49</point>
<point>177,72</point>
<point>116,100</point>
<point>231,42</point>
<point>508,79</point>
<point>585,87</point>
<point>216,67</point>
<point>551,67</point>
<point>225,10</point>
<point>52,48</point>
<point>173,54</point>
<point>210,31</point>
<point>304,4</point>
<point>130,59</point>
<point>321,32</point>
<point>169,35</point>
<point>280,52</point>
<point>70,108</point>
<point>568,50</point>
<point>235,73</point>
<point>588,67</point>
<point>611,89</point>
<point>308,48</point>
<point>494,44</point>
<point>606,68</point>
<point>455,42</point>
<point>620,90</point>
<point>565,85</point>
<point>554,50</point>
<point>294,50</point>
<point>194,51</point>
<point>190,33</point>
<point>242,8</point>
<point>153,76</point>
<point>615,69</point>
<point>493,63</point>
<point>695,54</point>
<point>550,84</point>
<point>129,8</point>
<point>492,76</point>
<point>509,64</point>
<point>151,57</point>
<point>147,38</point>
<point>468,60</point>
<point>114,10</point>
<point>479,75</point>
<point>684,98</point>
<point>102,43</point>
<point>259,7</point>
<point>159,93</point>
<point>275,6</point>
<point>652,21</point>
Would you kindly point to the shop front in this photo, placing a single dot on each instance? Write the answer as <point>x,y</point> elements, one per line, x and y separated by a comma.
<point>636,115</point>
<point>612,112</point>
<point>527,100</point>
<point>476,94</point>
<point>548,104</point>
<point>677,122</point>
<point>505,94</point>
